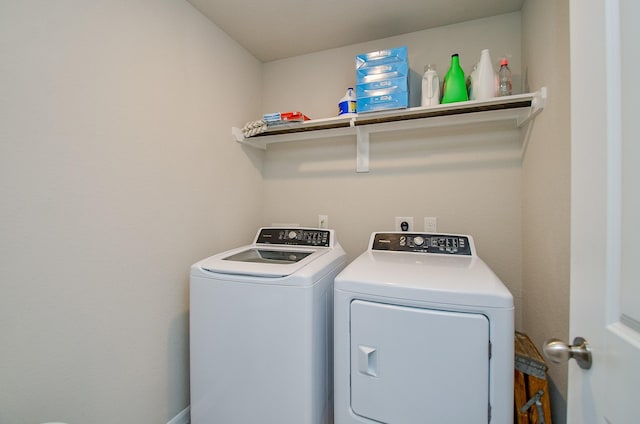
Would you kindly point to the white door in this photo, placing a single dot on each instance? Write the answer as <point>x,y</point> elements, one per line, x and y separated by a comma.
<point>605,209</point>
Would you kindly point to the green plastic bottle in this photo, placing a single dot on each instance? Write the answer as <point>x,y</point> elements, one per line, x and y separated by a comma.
<point>455,85</point>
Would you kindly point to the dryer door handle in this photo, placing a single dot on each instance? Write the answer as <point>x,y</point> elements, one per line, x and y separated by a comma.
<point>368,360</point>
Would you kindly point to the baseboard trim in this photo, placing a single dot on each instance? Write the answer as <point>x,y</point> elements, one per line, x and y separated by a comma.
<point>184,417</point>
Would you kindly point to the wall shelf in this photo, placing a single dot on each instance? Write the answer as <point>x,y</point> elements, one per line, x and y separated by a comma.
<point>510,112</point>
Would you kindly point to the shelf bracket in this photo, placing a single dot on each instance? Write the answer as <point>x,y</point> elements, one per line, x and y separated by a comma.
<point>538,102</point>
<point>362,149</point>
<point>238,136</point>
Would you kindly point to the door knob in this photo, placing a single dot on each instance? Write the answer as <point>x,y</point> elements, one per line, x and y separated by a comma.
<point>559,352</point>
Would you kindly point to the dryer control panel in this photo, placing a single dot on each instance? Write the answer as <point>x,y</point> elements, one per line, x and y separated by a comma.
<point>295,236</point>
<point>422,243</point>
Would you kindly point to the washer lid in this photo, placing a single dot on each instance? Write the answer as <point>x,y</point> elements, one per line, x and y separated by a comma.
<point>432,278</point>
<point>262,260</point>
<point>263,255</point>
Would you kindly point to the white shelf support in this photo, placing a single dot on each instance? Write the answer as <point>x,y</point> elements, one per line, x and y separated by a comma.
<point>240,138</point>
<point>538,102</point>
<point>362,149</point>
<point>237,134</point>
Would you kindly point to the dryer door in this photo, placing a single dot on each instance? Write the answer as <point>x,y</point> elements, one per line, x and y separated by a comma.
<point>412,365</point>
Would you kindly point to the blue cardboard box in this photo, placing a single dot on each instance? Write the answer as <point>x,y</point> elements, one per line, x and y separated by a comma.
<point>380,87</point>
<point>396,100</point>
<point>382,72</point>
<point>381,57</point>
<point>382,80</point>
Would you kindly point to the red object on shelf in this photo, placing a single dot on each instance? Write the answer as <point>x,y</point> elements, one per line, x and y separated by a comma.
<point>293,116</point>
<point>279,118</point>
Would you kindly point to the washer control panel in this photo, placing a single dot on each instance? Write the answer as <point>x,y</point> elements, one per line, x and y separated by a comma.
<point>295,236</point>
<point>422,243</point>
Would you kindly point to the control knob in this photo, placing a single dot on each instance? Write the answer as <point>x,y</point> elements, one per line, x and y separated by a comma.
<point>418,241</point>
<point>292,234</point>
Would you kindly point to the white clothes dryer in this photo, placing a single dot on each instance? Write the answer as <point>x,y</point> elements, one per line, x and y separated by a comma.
<point>261,330</point>
<point>423,334</point>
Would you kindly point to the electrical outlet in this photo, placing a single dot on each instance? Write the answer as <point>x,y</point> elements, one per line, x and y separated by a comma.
<point>323,221</point>
<point>430,224</point>
<point>408,220</point>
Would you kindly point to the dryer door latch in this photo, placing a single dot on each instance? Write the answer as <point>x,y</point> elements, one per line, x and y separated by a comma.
<point>368,360</point>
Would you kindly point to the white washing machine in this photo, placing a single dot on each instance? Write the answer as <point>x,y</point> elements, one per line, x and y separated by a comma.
<point>261,330</point>
<point>423,334</point>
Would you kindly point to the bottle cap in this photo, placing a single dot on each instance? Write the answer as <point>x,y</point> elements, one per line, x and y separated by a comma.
<point>504,61</point>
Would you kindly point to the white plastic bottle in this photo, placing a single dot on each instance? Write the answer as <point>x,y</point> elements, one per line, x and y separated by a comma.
<point>485,87</point>
<point>430,86</point>
<point>505,87</point>
<point>347,104</point>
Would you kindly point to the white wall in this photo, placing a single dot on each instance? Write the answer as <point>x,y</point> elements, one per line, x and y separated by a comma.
<point>117,172</point>
<point>546,174</point>
<point>472,185</point>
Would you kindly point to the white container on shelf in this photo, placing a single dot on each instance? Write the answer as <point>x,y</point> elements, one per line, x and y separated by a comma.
<point>430,86</point>
<point>486,79</point>
<point>347,104</point>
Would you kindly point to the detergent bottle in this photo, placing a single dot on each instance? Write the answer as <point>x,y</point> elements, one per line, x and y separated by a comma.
<point>430,86</point>
<point>347,104</point>
<point>455,85</point>
<point>485,83</point>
